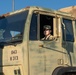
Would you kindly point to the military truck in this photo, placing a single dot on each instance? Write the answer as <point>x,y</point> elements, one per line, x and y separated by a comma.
<point>22,52</point>
<point>70,9</point>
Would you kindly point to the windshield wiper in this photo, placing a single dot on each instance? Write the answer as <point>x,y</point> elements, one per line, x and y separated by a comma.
<point>4,43</point>
<point>14,42</point>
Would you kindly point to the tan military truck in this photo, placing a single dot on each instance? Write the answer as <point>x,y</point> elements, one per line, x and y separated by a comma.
<point>71,10</point>
<point>22,52</point>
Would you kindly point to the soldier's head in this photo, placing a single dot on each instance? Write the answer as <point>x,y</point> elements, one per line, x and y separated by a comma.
<point>47,30</point>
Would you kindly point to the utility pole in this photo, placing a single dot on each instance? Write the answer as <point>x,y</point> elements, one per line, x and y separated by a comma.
<point>13,5</point>
<point>13,9</point>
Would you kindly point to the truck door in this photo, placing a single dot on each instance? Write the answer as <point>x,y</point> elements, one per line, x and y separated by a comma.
<point>68,40</point>
<point>44,56</point>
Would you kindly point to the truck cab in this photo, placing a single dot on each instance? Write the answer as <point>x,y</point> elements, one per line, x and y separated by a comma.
<point>22,52</point>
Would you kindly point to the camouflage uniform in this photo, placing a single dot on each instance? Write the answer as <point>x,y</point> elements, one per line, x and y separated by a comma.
<point>50,38</point>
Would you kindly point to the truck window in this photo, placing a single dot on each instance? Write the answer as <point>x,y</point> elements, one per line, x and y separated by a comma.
<point>12,27</point>
<point>38,21</point>
<point>33,27</point>
<point>68,32</point>
<point>46,20</point>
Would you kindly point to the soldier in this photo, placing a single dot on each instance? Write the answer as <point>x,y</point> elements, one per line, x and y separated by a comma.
<point>47,33</point>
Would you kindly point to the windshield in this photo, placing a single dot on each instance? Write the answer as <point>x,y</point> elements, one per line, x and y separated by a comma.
<point>12,27</point>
